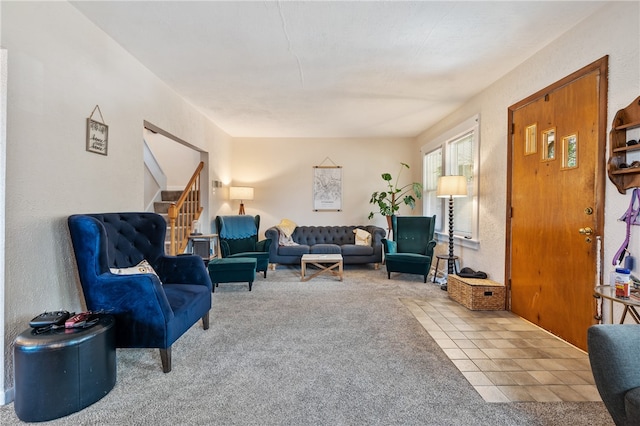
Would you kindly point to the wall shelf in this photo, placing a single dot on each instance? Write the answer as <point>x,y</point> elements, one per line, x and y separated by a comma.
<point>625,119</point>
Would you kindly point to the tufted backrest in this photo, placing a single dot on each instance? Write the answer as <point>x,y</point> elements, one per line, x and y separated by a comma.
<point>413,233</point>
<point>132,237</point>
<point>310,235</point>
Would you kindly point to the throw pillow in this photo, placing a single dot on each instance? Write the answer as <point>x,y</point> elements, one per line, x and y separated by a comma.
<point>363,238</point>
<point>287,227</point>
<point>141,268</point>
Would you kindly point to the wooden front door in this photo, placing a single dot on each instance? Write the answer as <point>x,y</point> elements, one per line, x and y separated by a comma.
<point>556,203</point>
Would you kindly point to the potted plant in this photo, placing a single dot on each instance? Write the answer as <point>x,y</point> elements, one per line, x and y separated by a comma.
<point>389,200</point>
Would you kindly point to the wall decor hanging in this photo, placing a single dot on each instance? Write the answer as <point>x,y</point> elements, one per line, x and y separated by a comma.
<point>97,134</point>
<point>327,187</point>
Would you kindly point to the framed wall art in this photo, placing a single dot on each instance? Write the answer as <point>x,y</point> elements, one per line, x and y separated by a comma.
<point>327,188</point>
<point>97,134</point>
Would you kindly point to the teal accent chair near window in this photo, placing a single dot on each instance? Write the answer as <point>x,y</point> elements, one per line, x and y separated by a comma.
<point>411,250</point>
<point>151,310</point>
<point>238,237</point>
<point>613,354</point>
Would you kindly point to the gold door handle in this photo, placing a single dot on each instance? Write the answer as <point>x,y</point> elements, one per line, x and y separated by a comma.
<point>585,231</point>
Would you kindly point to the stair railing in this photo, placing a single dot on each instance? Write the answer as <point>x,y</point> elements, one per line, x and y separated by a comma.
<point>183,212</point>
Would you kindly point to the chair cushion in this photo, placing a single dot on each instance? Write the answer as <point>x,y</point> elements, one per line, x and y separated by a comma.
<point>407,258</point>
<point>232,264</point>
<point>325,249</point>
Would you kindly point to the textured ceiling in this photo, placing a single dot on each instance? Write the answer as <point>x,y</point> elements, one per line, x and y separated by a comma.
<point>331,69</point>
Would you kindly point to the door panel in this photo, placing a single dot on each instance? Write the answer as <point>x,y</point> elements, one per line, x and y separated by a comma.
<point>554,196</point>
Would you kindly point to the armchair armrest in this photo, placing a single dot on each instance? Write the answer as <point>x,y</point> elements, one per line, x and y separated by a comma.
<point>389,246</point>
<point>431,245</point>
<point>263,245</point>
<point>182,269</point>
<point>138,296</point>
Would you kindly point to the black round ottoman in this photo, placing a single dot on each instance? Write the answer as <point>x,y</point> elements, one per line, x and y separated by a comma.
<point>63,371</point>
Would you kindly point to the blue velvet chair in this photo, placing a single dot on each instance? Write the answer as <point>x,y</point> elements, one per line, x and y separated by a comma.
<point>613,353</point>
<point>151,311</point>
<point>411,250</point>
<point>238,237</point>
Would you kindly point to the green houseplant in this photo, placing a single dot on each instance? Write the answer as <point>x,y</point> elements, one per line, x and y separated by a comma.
<point>388,201</point>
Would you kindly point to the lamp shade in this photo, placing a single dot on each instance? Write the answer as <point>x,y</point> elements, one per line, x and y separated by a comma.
<point>451,186</point>
<point>241,193</point>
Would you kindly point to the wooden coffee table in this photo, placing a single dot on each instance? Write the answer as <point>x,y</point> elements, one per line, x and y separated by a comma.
<point>326,263</point>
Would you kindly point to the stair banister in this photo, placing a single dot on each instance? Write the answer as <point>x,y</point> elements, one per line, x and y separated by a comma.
<point>183,212</point>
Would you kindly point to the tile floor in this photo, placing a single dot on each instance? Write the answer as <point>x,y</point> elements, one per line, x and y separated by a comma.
<point>504,357</point>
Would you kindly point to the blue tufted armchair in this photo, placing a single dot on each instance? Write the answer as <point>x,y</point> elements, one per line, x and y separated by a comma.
<point>411,250</point>
<point>151,311</point>
<point>239,238</point>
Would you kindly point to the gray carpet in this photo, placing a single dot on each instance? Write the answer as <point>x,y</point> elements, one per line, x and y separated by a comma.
<point>322,352</point>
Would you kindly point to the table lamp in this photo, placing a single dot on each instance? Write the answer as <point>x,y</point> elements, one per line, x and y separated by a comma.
<point>241,193</point>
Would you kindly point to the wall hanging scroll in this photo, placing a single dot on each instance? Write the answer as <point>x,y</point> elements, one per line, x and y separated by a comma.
<point>327,187</point>
<point>97,134</point>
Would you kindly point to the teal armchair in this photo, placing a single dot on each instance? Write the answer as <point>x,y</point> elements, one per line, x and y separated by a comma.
<point>613,354</point>
<point>239,238</point>
<point>411,250</point>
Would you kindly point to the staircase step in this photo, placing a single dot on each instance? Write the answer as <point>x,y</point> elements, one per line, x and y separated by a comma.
<point>170,195</point>
<point>161,207</point>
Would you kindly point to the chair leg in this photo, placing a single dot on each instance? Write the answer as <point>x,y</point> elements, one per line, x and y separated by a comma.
<point>250,285</point>
<point>425,279</point>
<point>205,321</point>
<point>265,273</point>
<point>388,275</point>
<point>165,357</point>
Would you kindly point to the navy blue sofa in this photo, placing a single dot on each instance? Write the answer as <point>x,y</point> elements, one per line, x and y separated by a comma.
<point>326,240</point>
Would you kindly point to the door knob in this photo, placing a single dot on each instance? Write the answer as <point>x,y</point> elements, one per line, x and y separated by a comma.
<point>585,231</point>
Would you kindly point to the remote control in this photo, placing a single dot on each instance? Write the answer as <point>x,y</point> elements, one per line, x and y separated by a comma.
<point>49,318</point>
<point>77,320</point>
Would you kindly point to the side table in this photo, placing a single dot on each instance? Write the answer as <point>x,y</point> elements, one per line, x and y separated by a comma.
<point>63,371</point>
<point>448,258</point>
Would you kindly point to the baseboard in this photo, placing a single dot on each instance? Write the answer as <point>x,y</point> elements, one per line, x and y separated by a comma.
<point>7,396</point>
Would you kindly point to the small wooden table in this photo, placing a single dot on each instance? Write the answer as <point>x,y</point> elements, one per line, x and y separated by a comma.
<point>326,263</point>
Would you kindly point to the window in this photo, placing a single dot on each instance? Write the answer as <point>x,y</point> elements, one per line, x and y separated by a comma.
<point>432,171</point>
<point>454,153</point>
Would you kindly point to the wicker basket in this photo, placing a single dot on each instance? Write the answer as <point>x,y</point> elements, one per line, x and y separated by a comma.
<point>477,294</point>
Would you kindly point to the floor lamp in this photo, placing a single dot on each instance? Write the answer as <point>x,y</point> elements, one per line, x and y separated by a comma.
<point>241,193</point>
<point>451,187</point>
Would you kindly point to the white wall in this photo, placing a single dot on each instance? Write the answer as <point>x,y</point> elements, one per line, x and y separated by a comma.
<point>614,31</point>
<point>281,170</point>
<point>60,66</point>
<point>177,161</point>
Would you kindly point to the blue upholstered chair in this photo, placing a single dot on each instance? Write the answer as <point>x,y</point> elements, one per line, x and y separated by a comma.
<point>613,353</point>
<point>411,250</point>
<point>151,311</point>
<point>239,238</point>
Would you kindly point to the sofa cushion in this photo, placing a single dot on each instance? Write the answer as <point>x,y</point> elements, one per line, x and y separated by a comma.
<point>325,249</point>
<point>363,238</point>
<point>356,250</point>
<point>298,250</point>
